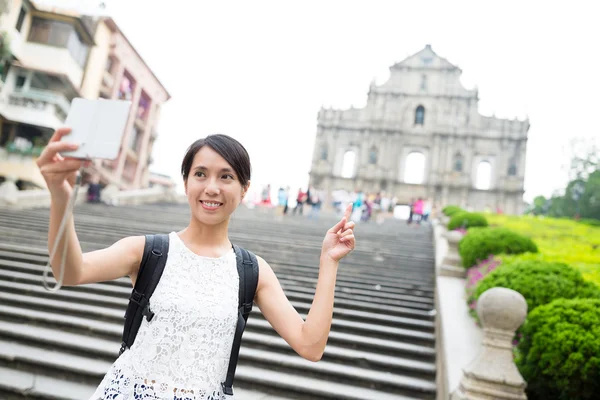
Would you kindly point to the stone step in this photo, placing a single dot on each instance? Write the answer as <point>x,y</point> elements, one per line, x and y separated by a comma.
<point>382,341</point>
<point>114,331</point>
<point>107,301</point>
<point>91,369</point>
<point>21,269</point>
<point>38,257</point>
<point>16,384</point>
<point>349,326</point>
<point>103,313</point>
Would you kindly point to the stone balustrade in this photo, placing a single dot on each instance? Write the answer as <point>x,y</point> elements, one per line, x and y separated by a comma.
<point>452,263</point>
<point>493,373</point>
<point>12,197</point>
<point>474,363</point>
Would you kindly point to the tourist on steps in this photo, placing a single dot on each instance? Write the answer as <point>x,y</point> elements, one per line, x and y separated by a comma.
<point>183,351</point>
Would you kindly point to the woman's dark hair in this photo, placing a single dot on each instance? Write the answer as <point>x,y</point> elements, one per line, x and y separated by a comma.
<point>227,147</point>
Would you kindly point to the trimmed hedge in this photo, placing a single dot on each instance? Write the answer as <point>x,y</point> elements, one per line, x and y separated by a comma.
<point>539,282</point>
<point>467,220</point>
<point>451,210</point>
<point>479,244</point>
<point>559,354</point>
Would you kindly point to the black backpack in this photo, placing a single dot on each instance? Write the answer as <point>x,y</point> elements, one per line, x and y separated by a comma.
<point>151,268</point>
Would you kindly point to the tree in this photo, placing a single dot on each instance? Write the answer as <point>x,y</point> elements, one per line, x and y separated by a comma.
<point>581,198</point>
<point>5,52</point>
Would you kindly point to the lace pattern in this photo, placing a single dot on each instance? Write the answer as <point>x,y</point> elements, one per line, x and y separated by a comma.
<point>183,353</point>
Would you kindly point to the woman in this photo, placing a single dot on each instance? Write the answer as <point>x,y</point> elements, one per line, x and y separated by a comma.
<point>183,353</point>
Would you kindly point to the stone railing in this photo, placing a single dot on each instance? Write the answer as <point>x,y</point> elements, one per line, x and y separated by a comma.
<point>493,373</point>
<point>473,363</point>
<point>12,197</point>
<point>113,196</point>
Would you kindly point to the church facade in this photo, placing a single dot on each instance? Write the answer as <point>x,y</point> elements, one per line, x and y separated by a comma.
<point>421,135</point>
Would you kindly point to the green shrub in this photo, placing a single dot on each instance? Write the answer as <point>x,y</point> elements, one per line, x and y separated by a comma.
<point>559,353</point>
<point>451,210</point>
<point>466,220</point>
<point>539,282</point>
<point>590,222</point>
<point>479,244</point>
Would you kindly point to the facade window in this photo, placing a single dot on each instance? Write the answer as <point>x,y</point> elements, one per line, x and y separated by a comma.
<point>21,19</point>
<point>348,164</point>
<point>59,34</point>
<point>512,168</point>
<point>414,168</point>
<point>423,82</point>
<point>458,162</point>
<point>420,115</point>
<point>373,156</point>
<point>484,176</point>
<point>324,153</point>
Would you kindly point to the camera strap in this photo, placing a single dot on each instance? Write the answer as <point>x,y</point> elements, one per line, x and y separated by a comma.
<point>61,230</point>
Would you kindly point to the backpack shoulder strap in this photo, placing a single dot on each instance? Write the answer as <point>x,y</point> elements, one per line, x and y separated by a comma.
<point>247,266</point>
<point>151,268</point>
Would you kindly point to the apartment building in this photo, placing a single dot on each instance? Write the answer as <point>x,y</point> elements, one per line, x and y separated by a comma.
<point>52,55</point>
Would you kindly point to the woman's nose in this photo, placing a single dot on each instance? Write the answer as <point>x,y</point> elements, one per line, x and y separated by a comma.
<point>212,187</point>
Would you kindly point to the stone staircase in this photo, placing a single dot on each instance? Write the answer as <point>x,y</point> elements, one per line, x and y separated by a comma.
<point>382,342</point>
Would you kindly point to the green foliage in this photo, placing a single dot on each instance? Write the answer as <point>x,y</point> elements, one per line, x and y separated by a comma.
<point>558,240</point>
<point>539,282</point>
<point>559,353</point>
<point>466,220</point>
<point>451,210</point>
<point>480,243</point>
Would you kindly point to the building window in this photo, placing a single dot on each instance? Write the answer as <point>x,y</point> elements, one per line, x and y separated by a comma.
<point>20,82</point>
<point>373,156</point>
<point>414,168</point>
<point>423,82</point>
<point>512,168</point>
<point>109,65</point>
<point>324,153</point>
<point>420,115</point>
<point>126,89</point>
<point>348,164</point>
<point>484,176</point>
<point>21,19</point>
<point>135,139</point>
<point>60,34</point>
<point>143,107</point>
<point>458,162</point>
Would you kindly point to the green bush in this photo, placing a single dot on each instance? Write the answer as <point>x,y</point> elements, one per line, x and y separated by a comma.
<point>466,220</point>
<point>539,282</point>
<point>559,353</point>
<point>479,244</point>
<point>590,222</point>
<point>451,210</point>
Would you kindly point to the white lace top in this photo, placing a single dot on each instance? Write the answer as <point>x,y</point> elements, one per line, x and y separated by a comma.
<point>183,352</point>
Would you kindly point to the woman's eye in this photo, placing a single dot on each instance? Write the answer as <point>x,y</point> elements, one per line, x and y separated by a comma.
<point>199,173</point>
<point>228,176</point>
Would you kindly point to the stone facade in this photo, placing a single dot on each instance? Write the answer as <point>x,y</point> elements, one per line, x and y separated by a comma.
<point>423,109</point>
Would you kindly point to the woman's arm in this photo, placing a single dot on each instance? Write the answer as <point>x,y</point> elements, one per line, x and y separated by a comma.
<point>308,338</point>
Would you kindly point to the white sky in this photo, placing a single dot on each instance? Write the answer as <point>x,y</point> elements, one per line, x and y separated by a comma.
<point>260,70</point>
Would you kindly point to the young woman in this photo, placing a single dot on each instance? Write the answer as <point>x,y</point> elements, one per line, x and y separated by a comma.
<point>183,353</point>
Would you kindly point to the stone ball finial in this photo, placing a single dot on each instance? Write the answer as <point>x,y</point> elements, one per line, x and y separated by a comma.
<point>501,308</point>
<point>454,236</point>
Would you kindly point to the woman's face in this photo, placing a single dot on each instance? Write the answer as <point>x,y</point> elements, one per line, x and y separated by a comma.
<point>213,189</point>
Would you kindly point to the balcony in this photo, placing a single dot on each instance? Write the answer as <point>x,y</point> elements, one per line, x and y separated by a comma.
<point>108,82</point>
<point>36,107</point>
<point>51,59</point>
